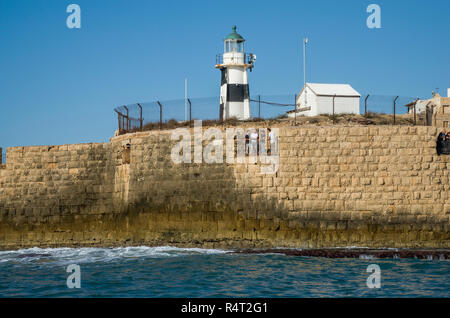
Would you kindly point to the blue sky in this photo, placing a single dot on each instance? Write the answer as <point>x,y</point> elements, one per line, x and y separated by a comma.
<point>60,85</point>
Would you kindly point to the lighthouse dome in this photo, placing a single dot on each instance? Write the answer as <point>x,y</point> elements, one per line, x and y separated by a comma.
<point>234,36</point>
<point>234,42</point>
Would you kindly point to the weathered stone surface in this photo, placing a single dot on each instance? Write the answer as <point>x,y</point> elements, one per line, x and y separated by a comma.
<point>348,186</point>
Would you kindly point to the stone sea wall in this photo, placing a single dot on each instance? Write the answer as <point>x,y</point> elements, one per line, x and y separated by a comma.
<point>378,186</point>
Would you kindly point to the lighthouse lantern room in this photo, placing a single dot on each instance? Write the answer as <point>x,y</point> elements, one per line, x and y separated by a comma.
<point>234,90</point>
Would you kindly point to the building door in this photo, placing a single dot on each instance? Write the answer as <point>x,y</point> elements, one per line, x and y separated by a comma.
<point>429,116</point>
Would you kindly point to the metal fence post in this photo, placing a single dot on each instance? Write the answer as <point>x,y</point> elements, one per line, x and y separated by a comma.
<point>160,115</point>
<point>128,124</point>
<point>395,101</point>
<point>140,118</point>
<point>365,105</point>
<point>295,110</point>
<point>190,112</point>
<point>119,120</point>
<point>128,118</point>
<point>334,97</point>
<point>259,106</point>
<point>415,123</point>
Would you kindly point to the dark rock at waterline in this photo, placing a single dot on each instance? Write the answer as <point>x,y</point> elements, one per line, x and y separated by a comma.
<point>354,253</point>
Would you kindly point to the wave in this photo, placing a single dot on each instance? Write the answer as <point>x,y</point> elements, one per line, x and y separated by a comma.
<point>91,255</point>
<point>365,256</point>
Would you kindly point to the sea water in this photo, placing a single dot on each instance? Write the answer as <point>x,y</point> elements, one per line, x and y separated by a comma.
<point>182,272</point>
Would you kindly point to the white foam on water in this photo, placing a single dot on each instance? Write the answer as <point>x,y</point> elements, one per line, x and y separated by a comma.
<point>369,248</point>
<point>90,255</point>
<point>364,256</point>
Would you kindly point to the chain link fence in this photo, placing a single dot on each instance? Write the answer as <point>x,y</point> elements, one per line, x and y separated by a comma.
<point>385,104</point>
<point>150,115</point>
<point>399,107</point>
<point>179,112</point>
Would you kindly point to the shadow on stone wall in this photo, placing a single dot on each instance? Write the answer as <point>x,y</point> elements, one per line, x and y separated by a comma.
<point>91,196</point>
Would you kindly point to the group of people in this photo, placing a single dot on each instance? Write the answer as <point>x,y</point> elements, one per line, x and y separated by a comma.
<point>443,142</point>
<point>256,144</point>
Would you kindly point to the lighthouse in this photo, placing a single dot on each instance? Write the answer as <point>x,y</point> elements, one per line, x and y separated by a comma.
<point>234,90</point>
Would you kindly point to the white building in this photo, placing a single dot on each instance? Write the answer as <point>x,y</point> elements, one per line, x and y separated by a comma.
<point>316,99</point>
<point>435,109</point>
<point>422,104</point>
<point>234,89</point>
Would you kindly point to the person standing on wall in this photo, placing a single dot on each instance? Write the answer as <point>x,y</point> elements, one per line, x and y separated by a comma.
<point>271,141</point>
<point>440,141</point>
<point>254,142</point>
<point>262,142</point>
<point>247,143</point>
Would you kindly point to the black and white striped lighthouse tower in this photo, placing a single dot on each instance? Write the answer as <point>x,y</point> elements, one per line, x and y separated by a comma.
<point>234,90</point>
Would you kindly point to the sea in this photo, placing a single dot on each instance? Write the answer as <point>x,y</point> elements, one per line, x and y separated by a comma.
<point>167,271</point>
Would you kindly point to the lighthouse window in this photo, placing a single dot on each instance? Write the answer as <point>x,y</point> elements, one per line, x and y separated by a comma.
<point>233,46</point>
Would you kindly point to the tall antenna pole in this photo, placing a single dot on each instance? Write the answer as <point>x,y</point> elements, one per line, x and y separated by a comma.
<point>305,40</point>
<point>185,99</point>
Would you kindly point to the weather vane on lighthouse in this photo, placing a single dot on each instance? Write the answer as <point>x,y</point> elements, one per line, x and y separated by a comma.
<point>234,90</point>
